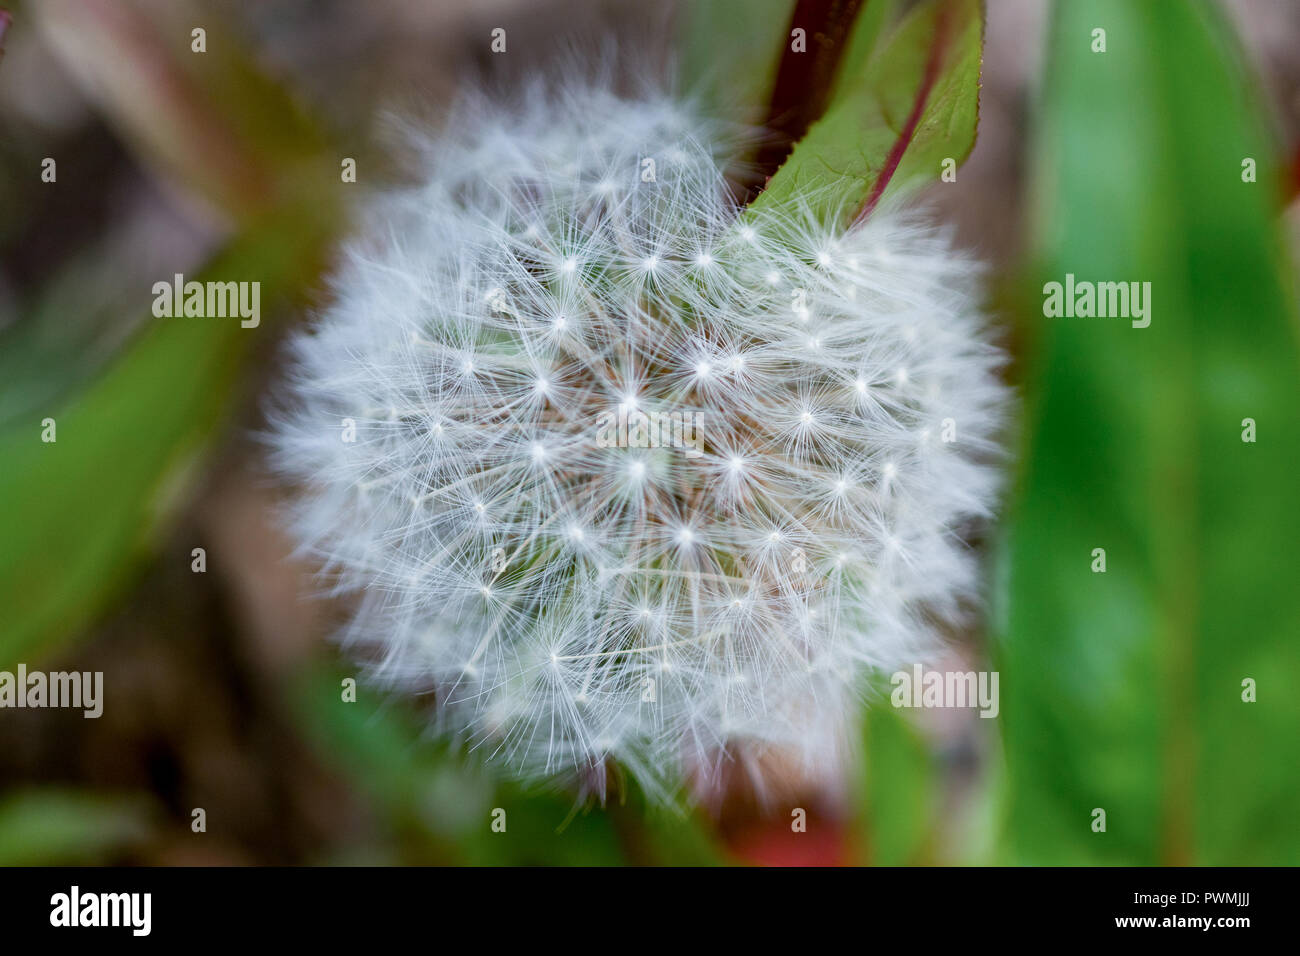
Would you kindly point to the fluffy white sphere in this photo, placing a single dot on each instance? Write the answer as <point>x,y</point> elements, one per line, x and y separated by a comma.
<point>632,477</point>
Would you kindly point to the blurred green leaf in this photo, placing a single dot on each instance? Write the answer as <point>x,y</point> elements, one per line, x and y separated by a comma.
<point>902,105</point>
<point>64,827</point>
<point>71,329</point>
<point>1123,690</point>
<point>898,789</point>
<point>79,511</point>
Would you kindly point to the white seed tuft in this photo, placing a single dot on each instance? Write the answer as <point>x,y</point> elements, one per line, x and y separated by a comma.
<point>727,578</point>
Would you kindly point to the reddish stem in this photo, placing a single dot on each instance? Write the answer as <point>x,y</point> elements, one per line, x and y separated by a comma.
<point>803,80</point>
<point>928,79</point>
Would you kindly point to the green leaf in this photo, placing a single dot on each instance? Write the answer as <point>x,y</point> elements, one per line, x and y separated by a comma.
<point>51,827</point>
<point>1122,691</point>
<point>874,22</point>
<point>79,511</point>
<point>897,114</point>
<point>898,789</point>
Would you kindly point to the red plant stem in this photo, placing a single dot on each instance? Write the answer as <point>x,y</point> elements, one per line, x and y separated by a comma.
<point>896,152</point>
<point>803,81</point>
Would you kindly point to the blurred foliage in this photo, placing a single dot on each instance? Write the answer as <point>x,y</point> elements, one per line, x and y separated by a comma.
<point>71,329</point>
<point>213,122</point>
<point>897,795</point>
<point>84,508</point>
<point>1123,689</point>
<point>438,804</point>
<point>52,826</point>
<point>729,52</point>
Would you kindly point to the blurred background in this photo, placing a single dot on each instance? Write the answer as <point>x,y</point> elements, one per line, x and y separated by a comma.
<point>1121,692</point>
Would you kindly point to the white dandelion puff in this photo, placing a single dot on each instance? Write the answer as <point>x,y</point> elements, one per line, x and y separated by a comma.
<point>760,527</point>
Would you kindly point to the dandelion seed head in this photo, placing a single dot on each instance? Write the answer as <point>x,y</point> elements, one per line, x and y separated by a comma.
<point>532,575</point>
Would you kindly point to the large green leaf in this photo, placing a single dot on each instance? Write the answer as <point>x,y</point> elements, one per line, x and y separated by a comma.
<point>1122,690</point>
<point>79,511</point>
<point>902,106</point>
